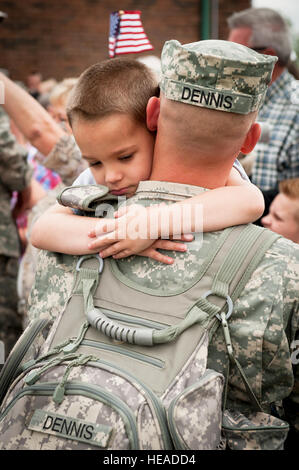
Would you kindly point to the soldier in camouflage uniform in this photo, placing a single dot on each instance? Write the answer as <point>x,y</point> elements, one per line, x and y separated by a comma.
<point>189,74</point>
<point>15,176</point>
<point>57,151</point>
<point>231,80</point>
<point>65,158</point>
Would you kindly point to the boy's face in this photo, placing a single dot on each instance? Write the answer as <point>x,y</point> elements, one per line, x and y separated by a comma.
<point>118,150</point>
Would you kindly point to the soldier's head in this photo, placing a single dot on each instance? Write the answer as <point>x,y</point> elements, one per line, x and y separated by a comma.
<point>210,95</point>
<point>283,217</point>
<point>263,30</point>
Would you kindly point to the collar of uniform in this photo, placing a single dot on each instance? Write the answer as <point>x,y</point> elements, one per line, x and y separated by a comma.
<point>164,187</point>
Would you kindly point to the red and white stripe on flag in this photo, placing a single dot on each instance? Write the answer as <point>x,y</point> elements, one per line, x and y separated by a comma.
<point>127,35</point>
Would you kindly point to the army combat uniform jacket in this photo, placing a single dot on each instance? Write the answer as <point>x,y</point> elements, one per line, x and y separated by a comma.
<point>264,323</point>
<point>65,158</point>
<point>15,175</point>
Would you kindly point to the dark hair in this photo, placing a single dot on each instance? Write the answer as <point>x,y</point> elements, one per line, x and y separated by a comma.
<point>112,86</point>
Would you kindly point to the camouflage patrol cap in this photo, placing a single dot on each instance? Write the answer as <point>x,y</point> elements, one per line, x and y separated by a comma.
<point>220,75</point>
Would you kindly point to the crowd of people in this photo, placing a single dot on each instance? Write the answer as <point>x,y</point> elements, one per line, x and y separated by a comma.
<point>46,127</point>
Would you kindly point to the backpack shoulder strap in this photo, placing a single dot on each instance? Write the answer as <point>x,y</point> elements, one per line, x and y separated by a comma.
<point>239,263</point>
<point>241,260</point>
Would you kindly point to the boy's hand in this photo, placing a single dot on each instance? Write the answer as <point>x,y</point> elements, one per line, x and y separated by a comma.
<point>131,224</point>
<point>152,252</point>
<point>119,250</point>
<point>133,231</point>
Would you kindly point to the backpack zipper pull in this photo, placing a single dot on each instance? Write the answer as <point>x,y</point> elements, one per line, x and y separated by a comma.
<point>75,343</point>
<point>34,375</point>
<point>59,391</point>
<point>51,352</point>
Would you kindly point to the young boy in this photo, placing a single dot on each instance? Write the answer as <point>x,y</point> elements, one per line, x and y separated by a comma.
<point>107,113</point>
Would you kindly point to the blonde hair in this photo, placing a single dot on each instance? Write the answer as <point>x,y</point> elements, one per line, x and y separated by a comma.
<point>113,86</point>
<point>60,92</point>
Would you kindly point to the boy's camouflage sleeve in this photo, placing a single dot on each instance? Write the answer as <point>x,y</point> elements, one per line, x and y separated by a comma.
<point>15,173</point>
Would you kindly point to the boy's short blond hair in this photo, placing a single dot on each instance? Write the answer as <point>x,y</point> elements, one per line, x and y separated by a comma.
<point>112,86</point>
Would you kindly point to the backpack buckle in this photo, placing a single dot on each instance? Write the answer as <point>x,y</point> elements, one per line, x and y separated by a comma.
<point>228,301</point>
<point>94,255</point>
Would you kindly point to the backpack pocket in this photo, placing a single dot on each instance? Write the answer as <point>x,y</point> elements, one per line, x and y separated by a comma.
<point>198,408</point>
<point>87,419</point>
<point>256,431</point>
<point>99,406</point>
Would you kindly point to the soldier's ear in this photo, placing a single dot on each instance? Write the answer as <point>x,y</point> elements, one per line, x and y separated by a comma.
<point>251,138</point>
<point>152,113</point>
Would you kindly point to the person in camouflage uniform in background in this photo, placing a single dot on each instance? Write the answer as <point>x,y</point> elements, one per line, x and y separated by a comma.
<point>62,154</point>
<point>65,159</point>
<point>15,175</point>
<point>57,151</point>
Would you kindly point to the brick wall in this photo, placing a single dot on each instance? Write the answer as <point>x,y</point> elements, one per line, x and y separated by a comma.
<point>60,38</point>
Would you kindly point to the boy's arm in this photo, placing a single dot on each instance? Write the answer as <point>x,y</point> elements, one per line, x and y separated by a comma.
<point>239,202</point>
<point>60,230</point>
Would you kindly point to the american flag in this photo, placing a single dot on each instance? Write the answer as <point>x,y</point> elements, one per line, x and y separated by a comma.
<point>126,33</point>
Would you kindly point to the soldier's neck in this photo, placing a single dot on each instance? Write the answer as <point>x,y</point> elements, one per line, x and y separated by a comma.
<point>176,166</point>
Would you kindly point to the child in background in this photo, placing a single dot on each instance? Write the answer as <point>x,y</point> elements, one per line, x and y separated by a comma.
<point>107,113</point>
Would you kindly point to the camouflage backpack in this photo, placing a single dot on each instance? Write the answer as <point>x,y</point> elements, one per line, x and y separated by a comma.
<point>124,366</point>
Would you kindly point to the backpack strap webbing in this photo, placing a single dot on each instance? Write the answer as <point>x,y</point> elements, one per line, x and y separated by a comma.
<point>234,273</point>
<point>243,258</point>
<point>237,259</point>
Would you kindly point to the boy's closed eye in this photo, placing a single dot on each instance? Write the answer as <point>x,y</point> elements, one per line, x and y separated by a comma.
<point>94,163</point>
<point>91,162</point>
<point>125,157</point>
<point>98,163</point>
<point>277,217</point>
